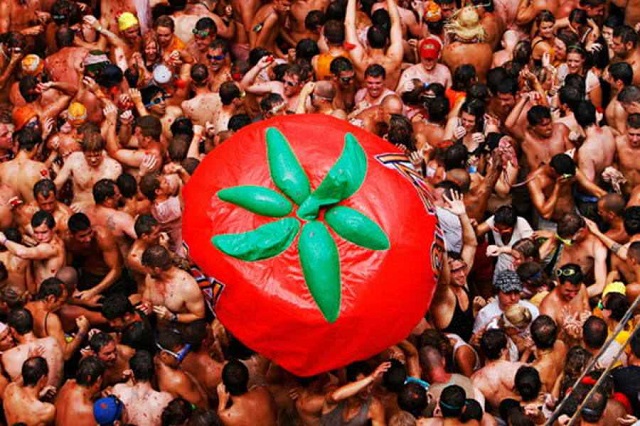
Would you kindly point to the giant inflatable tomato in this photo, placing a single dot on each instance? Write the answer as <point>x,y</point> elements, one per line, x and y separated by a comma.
<point>323,238</point>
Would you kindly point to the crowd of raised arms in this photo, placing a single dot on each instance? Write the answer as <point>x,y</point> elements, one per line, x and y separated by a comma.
<point>522,116</point>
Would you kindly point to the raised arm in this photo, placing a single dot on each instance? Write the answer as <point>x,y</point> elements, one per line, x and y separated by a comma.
<point>39,252</point>
<point>512,122</point>
<point>545,206</point>
<point>395,50</point>
<point>351,389</point>
<point>351,33</point>
<point>469,240</point>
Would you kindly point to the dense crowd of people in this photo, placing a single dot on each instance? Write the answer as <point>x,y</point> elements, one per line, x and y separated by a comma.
<point>523,117</point>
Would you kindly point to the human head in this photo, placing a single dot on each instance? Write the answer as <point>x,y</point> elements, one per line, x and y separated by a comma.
<point>108,410</point>
<point>572,228</point>
<point>508,286</point>
<point>493,344</point>
<point>118,310</point>
<point>463,77</point>
<point>273,105</point>
<point>544,332</point>
<point>539,119</point>
<point>177,412</point>
<point>594,407</point>
<point>106,192</point>
<point>624,41</point>
<point>142,366</point>
<point>334,32</point>
<point>412,398</point>
<point>104,347</point>
<point>545,22</point>
<point>342,72</point>
<point>35,372</point>
<point>89,372</point>
<point>156,259</point>
<point>570,97</point>
<point>631,220</point>
<point>53,293</point>
<point>164,27</point>
<point>44,192</point>
<point>585,114</point>
<point>43,225</point>
<point>377,36</point>
<point>611,207</point>
<point>505,219</point>
<point>204,32</point>
<point>230,93</point>
<point>615,306</point>
<point>20,321</point>
<point>594,333</point>
<point>452,401</point>
<point>528,383</point>
<point>93,149</point>
<point>620,75</point>
<point>374,77</point>
<point>394,378</point>
<point>218,54</point>
<point>429,50</point>
<point>235,377</point>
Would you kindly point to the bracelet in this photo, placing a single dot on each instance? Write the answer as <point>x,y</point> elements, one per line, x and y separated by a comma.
<point>615,247</point>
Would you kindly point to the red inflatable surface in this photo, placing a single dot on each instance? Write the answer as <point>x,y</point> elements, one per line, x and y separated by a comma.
<point>268,303</point>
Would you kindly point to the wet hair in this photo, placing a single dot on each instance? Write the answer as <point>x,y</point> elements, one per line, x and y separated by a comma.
<point>634,251</point>
<point>110,76</point>
<point>334,32</point>
<point>438,109</point>
<point>238,121</point>
<point>570,96</point>
<point>562,164</point>
<point>26,86</point>
<point>28,139</point>
<point>142,366</point>
<point>44,187</point>
<point>139,336</point>
<point>617,304</point>
<point>522,53</point>
<point>578,16</point>
<point>206,24</point>
<point>99,340</point>
<point>412,398</point>
<point>339,65</point>
<point>594,332</point>
<point>256,54</point>
<point>229,91</point>
<point>478,91</point>
<point>627,34</point>
<point>182,126</point>
<point>157,256</point>
<point>575,362</point>
<point>220,44</point>
<point>190,164</point>
<point>78,222</point>
<point>104,189</point>
<point>463,77</point>
<point>393,379</point>
<point>576,278</point>
<point>34,369</point>
<point>194,333</point>
<point>585,114</point>
<point>306,49</point>
<point>176,413</point>
<point>64,37</point>
<point>65,12</point>
<point>90,370</point>
<point>537,113</point>
<point>475,108</point>
<point>357,368</point>
<point>20,320</point>
<point>270,101</point>
<point>13,297</point>
<point>235,376</point>
<point>631,220</point>
<point>577,81</point>
<point>507,86</point>
<point>127,185</point>
<point>144,224</point>
<point>544,332</point>
<point>506,215</point>
<point>377,36</point>
<point>199,74</point>
<point>492,343</point>
<point>375,71</point>
<point>455,156</point>
<point>472,411</point>
<point>527,383</point>
<point>149,184</point>
<point>115,306</point>
<point>434,339</point>
<point>621,71</point>
<point>179,147</point>
<point>569,224</point>
<point>314,20</point>
<point>51,286</point>
<point>593,410</point>
<point>545,16</point>
<point>336,10</point>
<point>452,401</point>
<point>495,76</point>
<point>43,217</point>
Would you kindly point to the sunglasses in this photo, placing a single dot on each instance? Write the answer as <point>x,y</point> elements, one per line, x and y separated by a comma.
<point>346,80</point>
<point>156,101</point>
<point>290,83</point>
<point>566,272</point>
<point>216,57</point>
<point>179,356</point>
<point>200,33</point>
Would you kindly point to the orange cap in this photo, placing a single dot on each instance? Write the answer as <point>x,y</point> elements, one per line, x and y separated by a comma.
<point>22,115</point>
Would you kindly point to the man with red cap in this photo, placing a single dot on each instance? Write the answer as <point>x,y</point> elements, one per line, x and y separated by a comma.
<point>428,70</point>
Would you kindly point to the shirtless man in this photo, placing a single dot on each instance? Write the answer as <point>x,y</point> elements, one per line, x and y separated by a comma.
<point>542,139</point>
<point>231,98</point>
<point>171,377</point>
<point>148,131</point>
<point>619,76</point>
<point>496,379</point>
<point>19,269</point>
<point>611,210</point>
<point>51,296</point>
<point>203,107</point>
<point>22,173</point>
<point>549,352</point>
<point>203,32</point>
<point>74,402</point>
<point>152,101</point>
<point>309,397</point>
<point>105,213</point>
<point>86,168</point>
<point>631,11</point>
<point>297,18</point>
<point>46,105</point>
<point>550,186</point>
<point>18,15</point>
<point>100,263</point>
<point>111,9</point>
<point>24,403</point>
<point>199,362</point>
<point>66,65</point>
<point>597,151</point>
<point>48,255</point>
<point>320,97</point>
<point>147,230</point>
<point>625,46</point>
<point>173,293</point>
<point>266,24</point>
<point>529,9</point>
<point>428,70</point>
<point>143,403</point>
<point>219,64</point>
<point>115,357</point>
<point>627,151</point>
<point>45,193</point>
<point>390,59</point>
<point>20,323</point>
<point>575,244</point>
<point>240,406</point>
<point>343,77</point>
<point>568,301</point>
<point>374,91</point>
<point>509,40</point>
<point>289,89</point>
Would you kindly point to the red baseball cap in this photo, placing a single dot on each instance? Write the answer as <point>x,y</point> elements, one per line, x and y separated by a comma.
<point>430,48</point>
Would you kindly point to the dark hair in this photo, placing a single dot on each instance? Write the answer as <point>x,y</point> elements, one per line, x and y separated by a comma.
<point>28,139</point>
<point>142,366</point>
<point>412,398</point>
<point>164,21</point>
<point>357,368</point>
<point>206,24</point>
<point>139,336</point>
<point>44,187</point>
<point>157,256</point>
<point>90,369</point>
<point>314,20</point>
<point>235,376</point>
<point>621,71</point>
<point>627,34</point>
<point>115,306</point>
<point>340,64</point>
<point>238,121</point>
<point>594,408</point>
<point>34,369</point>
<point>562,164</point>
<point>635,343</point>
<point>631,219</point>
<point>20,320</point>
<point>544,332</point>
<point>149,184</point>
<point>150,126</point>
<point>377,36</point>
<point>334,32</point>
<point>594,332</point>
<point>472,411</point>
<point>270,101</point>
<point>51,286</point>
<point>585,114</point>
<point>492,343</point>
<point>306,49</point>
<point>537,113</point>
<point>78,222</point>
<point>229,91</point>
<point>527,382</point>
<point>570,96</point>
<point>110,76</point>
<point>43,217</point>
<point>104,189</point>
<point>127,185</point>
<point>393,379</point>
<point>182,125</point>
<point>506,215</point>
<point>201,417</point>
<point>375,70</point>
<point>495,76</point>
<point>150,92</point>
<point>176,413</point>
<point>569,224</point>
<point>629,94</point>
<point>617,304</point>
<point>99,341</point>
<point>438,109</point>
<point>576,276</point>
<point>455,156</point>
<point>144,224</point>
<point>26,86</point>
<point>452,401</point>
<point>179,147</point>
<point>463,77</point>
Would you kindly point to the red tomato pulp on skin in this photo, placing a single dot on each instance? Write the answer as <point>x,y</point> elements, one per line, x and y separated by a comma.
<point>266,304</point>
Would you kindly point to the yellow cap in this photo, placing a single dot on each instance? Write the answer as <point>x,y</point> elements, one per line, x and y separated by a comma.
<point>126,21</point>
<point>77,114</point>
<point>614,287</point>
